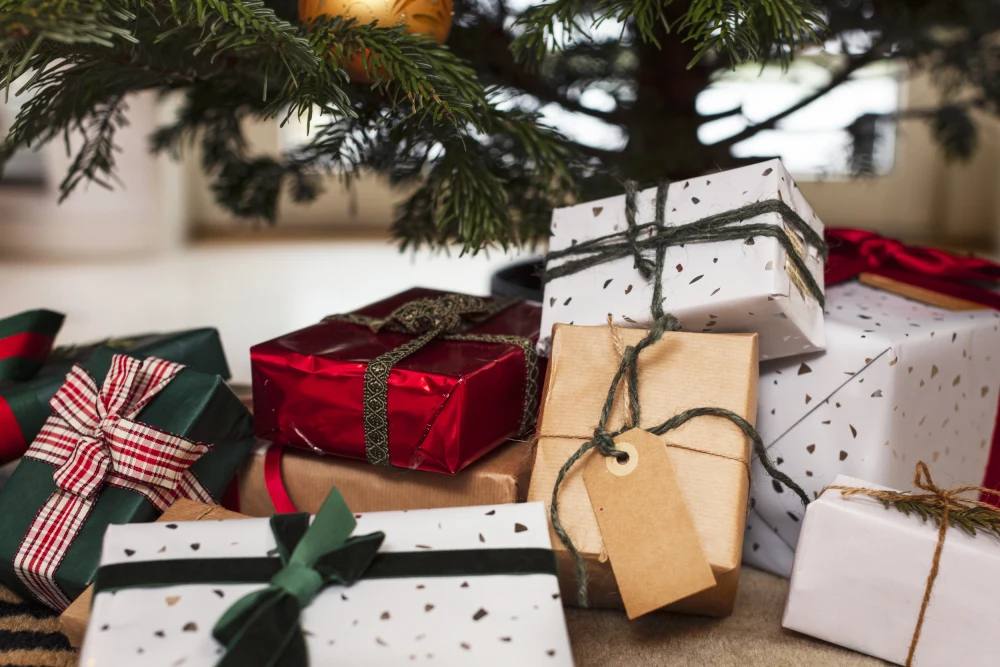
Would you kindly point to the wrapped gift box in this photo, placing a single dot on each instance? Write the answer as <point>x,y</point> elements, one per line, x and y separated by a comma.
<point>307,478</point>
<point>680,372</point>
<point>100,474</point>
<point>449,403</point>
<point>73,621</point>
<point>900,381</point>
<point>493,619</point>
<point>24,406</point>
<point>26,340</point>
<point>726,286</point>
<point>860,574</point>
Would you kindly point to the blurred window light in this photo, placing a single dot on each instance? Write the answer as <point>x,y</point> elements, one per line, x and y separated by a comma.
<point>815,141</point>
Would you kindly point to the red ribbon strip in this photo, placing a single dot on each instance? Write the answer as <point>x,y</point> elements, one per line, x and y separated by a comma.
<point>12,444</point>
<point>272,481</point>
<point>28,345</point>
<point>856,251</point>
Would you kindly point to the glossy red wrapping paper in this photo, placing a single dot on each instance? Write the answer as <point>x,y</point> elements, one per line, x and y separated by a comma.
<point>449,403</point>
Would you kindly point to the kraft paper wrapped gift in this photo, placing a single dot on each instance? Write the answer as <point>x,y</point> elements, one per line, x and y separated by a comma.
<point>900,381</point>
<point>680,372</point>
<point>446,616</point>
<point>723,287</point>
<point>305,479</point>
<point>861,571</point>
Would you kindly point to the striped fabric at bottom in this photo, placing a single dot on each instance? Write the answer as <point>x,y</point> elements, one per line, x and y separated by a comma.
<point>30,635</point>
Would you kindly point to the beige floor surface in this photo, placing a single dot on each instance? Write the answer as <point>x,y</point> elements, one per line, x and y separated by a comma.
<point>751,637</point>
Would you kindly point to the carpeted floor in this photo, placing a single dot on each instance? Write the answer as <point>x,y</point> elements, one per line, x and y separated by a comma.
<point>753,636</point>
<point>30,636</point>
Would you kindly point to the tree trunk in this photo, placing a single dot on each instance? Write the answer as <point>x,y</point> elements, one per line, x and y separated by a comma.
<point>663,128</point>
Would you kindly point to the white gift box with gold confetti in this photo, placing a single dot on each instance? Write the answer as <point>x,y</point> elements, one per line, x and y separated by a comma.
<point>740,286</point>
<point>899,382</point>
<point>481,619</point>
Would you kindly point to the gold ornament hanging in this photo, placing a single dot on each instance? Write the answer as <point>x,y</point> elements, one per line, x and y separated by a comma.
<point>422,17</point>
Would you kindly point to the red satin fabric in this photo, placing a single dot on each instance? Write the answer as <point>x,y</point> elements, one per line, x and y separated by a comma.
<point>856,251</point>
<point>449,403</point>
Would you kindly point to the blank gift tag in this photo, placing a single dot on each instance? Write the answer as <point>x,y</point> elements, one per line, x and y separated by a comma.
<point>647,528</point>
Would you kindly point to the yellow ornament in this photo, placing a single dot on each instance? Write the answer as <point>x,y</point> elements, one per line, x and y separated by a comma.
<point>422,17</point>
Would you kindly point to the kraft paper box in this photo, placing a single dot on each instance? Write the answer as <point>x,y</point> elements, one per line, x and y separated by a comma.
<point>901,381</point>
<point>860,573</point>
<point>73,621</point>
<point>499,477</point>
<point>495,619</point>
<point>680,372</point>
<point>720,287</point>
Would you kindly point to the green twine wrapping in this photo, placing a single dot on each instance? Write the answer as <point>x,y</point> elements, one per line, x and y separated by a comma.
<point>725,226</point>
<point>713,228</point>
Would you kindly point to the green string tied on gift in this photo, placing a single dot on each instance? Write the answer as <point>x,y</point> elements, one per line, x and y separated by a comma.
<point>263,627</point>
<point>615,246</point>
<point>792,232</point>
<point>445,317</point>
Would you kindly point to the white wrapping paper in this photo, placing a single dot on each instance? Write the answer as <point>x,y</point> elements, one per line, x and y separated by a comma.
<point>483,620</point>
<point>900,382</point>
<point>726,286</point>
<point>860,574</point>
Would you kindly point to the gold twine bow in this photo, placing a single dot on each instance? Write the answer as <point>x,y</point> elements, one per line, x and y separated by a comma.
<point>945,507</point>
<point>450,313</point>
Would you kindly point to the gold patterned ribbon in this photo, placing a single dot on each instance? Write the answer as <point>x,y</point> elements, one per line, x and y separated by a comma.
<point>447,318</point>
<point>944,507</point>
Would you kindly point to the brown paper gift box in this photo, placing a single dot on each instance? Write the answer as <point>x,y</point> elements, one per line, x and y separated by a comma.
<point>680,372</point>
<point>499,477</point>
<point>74,620</point>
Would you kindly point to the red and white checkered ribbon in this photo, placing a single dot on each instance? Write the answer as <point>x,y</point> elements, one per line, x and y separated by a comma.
<point>93,440</point>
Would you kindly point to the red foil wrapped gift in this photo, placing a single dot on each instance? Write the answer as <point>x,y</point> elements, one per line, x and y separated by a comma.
<point>449,402</point>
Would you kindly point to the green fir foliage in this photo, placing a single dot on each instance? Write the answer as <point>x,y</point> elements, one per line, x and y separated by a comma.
<point>478,172</point>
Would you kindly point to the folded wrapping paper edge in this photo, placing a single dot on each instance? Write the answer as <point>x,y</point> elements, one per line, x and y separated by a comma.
<point>74,620</point>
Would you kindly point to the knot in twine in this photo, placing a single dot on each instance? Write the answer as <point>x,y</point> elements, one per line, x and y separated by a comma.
<point>443,314</point>
<point>946,507</point>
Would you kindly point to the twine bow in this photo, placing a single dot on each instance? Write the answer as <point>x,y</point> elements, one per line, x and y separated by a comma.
<point>263,627</point>
<point>94,439</point>
<point>946,507</point>
<point>447,317</point>
<point>421,317</point>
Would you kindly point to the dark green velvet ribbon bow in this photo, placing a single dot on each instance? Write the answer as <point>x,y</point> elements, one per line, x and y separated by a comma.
<point>263,628</point>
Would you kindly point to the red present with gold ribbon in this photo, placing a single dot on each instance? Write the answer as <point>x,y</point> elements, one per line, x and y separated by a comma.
<point>124,439</point>
<point>424,379</point>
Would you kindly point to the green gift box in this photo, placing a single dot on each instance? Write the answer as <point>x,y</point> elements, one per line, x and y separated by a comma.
<point>125,438</point>
<point>24,406</point>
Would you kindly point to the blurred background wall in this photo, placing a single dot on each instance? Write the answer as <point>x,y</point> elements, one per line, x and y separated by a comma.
<point>161,205</point>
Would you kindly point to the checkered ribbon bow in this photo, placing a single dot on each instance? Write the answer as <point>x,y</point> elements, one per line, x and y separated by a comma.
<point>93,439</point>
